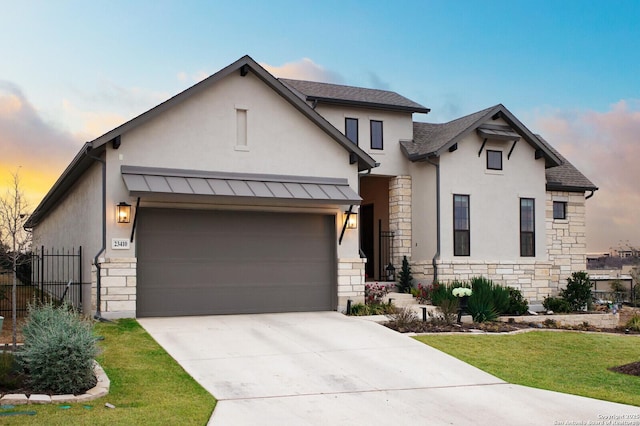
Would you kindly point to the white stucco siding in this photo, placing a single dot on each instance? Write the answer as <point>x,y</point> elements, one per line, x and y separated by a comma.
<point>424,212</point>
<point>201,134</point>
<point>76,221</point>
<point>494,198</point>
<point>396,126</point>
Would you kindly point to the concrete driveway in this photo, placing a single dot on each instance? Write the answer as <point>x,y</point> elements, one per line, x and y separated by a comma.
<point>325,368</point>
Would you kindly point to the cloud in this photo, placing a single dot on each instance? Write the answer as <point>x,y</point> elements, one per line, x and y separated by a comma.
<point>377,82</point>
<point>193,78</point>
<point>604,146</point>
<point>304,69</point>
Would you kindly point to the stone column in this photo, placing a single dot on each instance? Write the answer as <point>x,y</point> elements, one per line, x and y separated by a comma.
<point>400,217</point>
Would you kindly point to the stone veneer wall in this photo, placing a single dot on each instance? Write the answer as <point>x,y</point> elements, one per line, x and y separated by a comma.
<point>118,287</point>
<point>350,282</point>
<point>566,239</point>
<point>400,217</point>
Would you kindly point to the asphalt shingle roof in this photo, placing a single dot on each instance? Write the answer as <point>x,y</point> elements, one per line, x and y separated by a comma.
<point>336,93</point>
<point>429,138</point>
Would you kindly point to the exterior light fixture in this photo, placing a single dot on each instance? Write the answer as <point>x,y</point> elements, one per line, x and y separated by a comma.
<point>391,272</point>
<point>123,212</point>
<point>351,220</point>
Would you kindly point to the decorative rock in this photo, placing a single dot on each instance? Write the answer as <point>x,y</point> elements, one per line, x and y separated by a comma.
<point>61,399</point>
<point>39,399</point>
<point>109,405</point>
<point>14,399</point>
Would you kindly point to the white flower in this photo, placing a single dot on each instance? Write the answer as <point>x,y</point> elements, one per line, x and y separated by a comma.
<point>461,291</point>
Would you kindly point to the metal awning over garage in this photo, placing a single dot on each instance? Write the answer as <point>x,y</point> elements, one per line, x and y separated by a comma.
<point>142,181</point>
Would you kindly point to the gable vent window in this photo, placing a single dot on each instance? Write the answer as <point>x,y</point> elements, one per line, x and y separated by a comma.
<point>351,129</point>
<point>494,160</point>
<point>376,134</point>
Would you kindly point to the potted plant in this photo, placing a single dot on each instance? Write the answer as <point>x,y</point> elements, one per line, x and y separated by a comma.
<point>462,293</point>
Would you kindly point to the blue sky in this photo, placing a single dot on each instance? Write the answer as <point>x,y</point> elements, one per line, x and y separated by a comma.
<point>570,70</point>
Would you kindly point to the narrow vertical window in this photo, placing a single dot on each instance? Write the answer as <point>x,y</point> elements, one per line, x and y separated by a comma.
<point>559,210</point>
<point>241,127</point>
<point>527,227</point>
<point>376,134</point>
<point>461,237</point>
<point>494,160</point>
<point>351,129</point>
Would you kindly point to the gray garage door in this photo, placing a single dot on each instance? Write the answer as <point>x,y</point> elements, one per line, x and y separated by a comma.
<point>196,262</point>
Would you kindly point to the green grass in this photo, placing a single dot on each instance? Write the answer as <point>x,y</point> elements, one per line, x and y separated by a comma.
<point>566,362</point>
<point>147,387</point>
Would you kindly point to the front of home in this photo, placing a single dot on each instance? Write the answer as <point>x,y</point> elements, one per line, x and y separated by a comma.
<point>238,196</point>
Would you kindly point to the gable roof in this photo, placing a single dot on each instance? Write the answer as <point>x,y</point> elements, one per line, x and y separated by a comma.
<point>566,177</point>
<point>90,150</point>
<point>431,140</point>
<point>337,94</point>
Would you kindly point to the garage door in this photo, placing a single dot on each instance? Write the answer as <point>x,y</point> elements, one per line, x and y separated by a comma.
<point>196,262</point>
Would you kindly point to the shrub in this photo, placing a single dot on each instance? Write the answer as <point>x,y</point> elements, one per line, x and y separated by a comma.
<point>499,294</point>
<point>402,319</point>
<point>481,304</point>
<point>518,305</point>
<point>11,376</point>
<point>58,352</point>
<point>440,292</point>
<point>374,293</point>
<point>404,277</point>
<point>421,293</point>
<point>578,291</point>
<point>556,304</point>
<point>448,309</point>
<point>633,323</point>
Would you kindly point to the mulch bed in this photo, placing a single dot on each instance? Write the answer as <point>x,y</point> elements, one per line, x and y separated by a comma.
<point>632,369</point>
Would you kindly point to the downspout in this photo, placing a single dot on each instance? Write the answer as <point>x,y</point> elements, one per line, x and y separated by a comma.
<point>590,195</point>
<point>436,256</point>
<point>98,314</point>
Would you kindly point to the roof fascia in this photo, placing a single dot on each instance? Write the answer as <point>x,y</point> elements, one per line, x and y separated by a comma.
<point>371,105</point>
<point>551,160</point>
<point>568,188</point>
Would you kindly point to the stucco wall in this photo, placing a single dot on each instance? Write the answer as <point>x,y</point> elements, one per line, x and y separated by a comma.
<point>494,198</point>
<point>76,221</point>
<point>201,134</point>
<point>396,126</point>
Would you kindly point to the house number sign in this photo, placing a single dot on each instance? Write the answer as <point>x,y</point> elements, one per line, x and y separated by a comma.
<point>120,244</point>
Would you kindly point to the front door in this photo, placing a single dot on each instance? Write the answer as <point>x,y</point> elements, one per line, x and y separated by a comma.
<point>367,239</point>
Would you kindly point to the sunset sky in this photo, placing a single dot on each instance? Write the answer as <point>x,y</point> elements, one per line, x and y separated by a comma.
<point>569,70</point>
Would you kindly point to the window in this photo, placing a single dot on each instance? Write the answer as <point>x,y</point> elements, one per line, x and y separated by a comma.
<point>376,134</point>
<point>494,160</point>
<point>527,227</point>
<point>351,129</point>
<point>559,209</point>
<point>461,237</point>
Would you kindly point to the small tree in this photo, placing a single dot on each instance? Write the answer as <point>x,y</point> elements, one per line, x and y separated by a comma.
<point>404,277</point>
<point>578,291</point>
<point>13,216</point>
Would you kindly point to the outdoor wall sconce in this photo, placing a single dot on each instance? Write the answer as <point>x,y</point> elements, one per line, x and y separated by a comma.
<point>391,272</point>
<point>352,220</point>
<point>123,212</point>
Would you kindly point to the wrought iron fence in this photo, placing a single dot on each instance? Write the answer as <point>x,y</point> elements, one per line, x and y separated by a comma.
<point>43,275</point>
<point>385,253</point>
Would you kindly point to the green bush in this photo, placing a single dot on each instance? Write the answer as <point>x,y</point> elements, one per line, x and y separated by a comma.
<point>441,292</point>
<point>59,349</point>
<point>633,323</point>
<point>499,294</point>
<point>578,291</point>
<point>404,277</point>
<point>482,303</point>
<point>556,304</point>
<point>518,305</point>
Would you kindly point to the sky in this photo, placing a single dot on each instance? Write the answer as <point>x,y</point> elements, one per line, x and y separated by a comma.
<point>569,70</point>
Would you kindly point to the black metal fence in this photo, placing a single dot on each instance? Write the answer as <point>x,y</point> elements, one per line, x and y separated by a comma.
<point>385,253</point>
<point>43,275</point>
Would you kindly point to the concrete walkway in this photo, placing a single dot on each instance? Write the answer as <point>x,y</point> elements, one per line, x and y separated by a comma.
<point>325,368</point>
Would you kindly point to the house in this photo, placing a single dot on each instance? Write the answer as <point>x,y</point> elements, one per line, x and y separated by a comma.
<point>239,195</point>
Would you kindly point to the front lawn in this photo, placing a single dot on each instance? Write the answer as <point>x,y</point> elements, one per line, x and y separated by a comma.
<point>147,387</point>
<point>568,362</point>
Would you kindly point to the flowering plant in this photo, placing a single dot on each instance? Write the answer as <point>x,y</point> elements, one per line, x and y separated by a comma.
<point>374,293</point>
<point>461,291</point>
